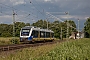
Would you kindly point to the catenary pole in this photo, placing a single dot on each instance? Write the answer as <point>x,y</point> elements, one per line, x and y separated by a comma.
<point>67,13</point>
<point>13,26</point>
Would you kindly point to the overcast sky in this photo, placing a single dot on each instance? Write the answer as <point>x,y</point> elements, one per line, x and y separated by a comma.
<point>30,11</point>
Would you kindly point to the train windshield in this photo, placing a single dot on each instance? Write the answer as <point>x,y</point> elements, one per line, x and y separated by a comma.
<point>25,32</point>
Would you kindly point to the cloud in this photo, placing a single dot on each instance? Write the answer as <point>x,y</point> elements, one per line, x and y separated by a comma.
<point>17,2</point>
<point>74,17</point>
<point>47,0</point>
<point>37,8</point>
<point>6,19</point>
<point>5,16</point>
<point>2,1</point>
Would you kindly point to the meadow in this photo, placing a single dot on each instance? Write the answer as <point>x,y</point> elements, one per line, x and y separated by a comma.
<point>69,50</point>
<point>8,40</point>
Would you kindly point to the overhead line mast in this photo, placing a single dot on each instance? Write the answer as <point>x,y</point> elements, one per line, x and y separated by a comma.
<point>78,27</point>
<point>67,13</point>
<point>13,26</point>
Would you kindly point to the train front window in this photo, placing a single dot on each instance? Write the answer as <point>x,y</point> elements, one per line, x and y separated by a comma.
<point>25,32</point>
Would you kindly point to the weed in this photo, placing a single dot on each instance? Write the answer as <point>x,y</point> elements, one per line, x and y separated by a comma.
<point>14,41</point>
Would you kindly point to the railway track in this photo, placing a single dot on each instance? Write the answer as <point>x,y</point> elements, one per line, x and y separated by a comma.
<point>19,46</point>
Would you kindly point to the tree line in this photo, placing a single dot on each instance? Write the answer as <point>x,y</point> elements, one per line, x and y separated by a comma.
<point>87,28</point>
<point>56,27</point>
<point>6,30</point>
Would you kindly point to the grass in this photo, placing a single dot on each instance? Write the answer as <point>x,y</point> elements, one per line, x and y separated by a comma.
<point>69,50</point>
<point>27,53</point>
<point>7,40</point>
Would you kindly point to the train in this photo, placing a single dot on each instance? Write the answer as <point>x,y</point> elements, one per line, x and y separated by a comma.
<point>32,34</point>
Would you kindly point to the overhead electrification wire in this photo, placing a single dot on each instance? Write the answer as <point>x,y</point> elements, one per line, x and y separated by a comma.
<point>4,11</point>
<point>37,9</point>
<point>12,8</point>
<point>23,17</point>
<point>6,5</point>
<point>43,9</point>
<point>40,6</point>
<point>31,14</point>
<point>9,7</point>
<point>58,19</point>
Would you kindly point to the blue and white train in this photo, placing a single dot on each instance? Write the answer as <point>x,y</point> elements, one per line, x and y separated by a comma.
<point>31,33</point>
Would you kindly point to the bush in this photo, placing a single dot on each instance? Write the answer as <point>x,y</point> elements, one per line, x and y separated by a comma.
<point>14,41</point>
<point>5,34</point>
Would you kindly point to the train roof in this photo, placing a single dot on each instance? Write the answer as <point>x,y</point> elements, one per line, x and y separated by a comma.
<point>28,27</point>
<point>46,30</point>
<point>37,28</point>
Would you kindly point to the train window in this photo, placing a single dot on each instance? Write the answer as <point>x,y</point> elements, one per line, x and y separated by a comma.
<point>47,34</point>
<point>25,32</point>
<point>34,33</point>
<point>42,34</point>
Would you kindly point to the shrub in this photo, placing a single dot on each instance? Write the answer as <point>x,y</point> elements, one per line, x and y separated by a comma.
<point>14,41</point>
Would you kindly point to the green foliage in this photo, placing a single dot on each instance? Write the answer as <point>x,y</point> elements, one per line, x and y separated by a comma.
<point>9,40</point>
<point>40,23</point>
<point>3,42</point>
<point>87,28</point>
<point>6,30</point>
<point>6,34</point>
<point>14,41</point>
<point>56,27</point>
<point>18,26</point>
<point>70,50</point>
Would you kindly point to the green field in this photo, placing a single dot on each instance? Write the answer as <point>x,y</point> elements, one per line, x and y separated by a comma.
<point>7,40</point>
<point>69,50</point>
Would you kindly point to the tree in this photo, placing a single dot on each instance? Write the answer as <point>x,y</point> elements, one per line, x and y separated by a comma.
<point>27,24</point>
<point>18,26</point>
<point>6,30</point>
<point>87,28</point>
<point>64,27</point>
<point>72,27</point>
<point>41,23</point>
<point>55,26</point>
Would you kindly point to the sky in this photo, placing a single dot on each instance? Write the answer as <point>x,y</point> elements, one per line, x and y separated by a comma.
<point>30,11</point>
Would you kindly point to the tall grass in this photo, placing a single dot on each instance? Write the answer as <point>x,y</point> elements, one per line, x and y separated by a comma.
<point>9,40</point>
<point>27,53</point>
<point>69,50</point>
